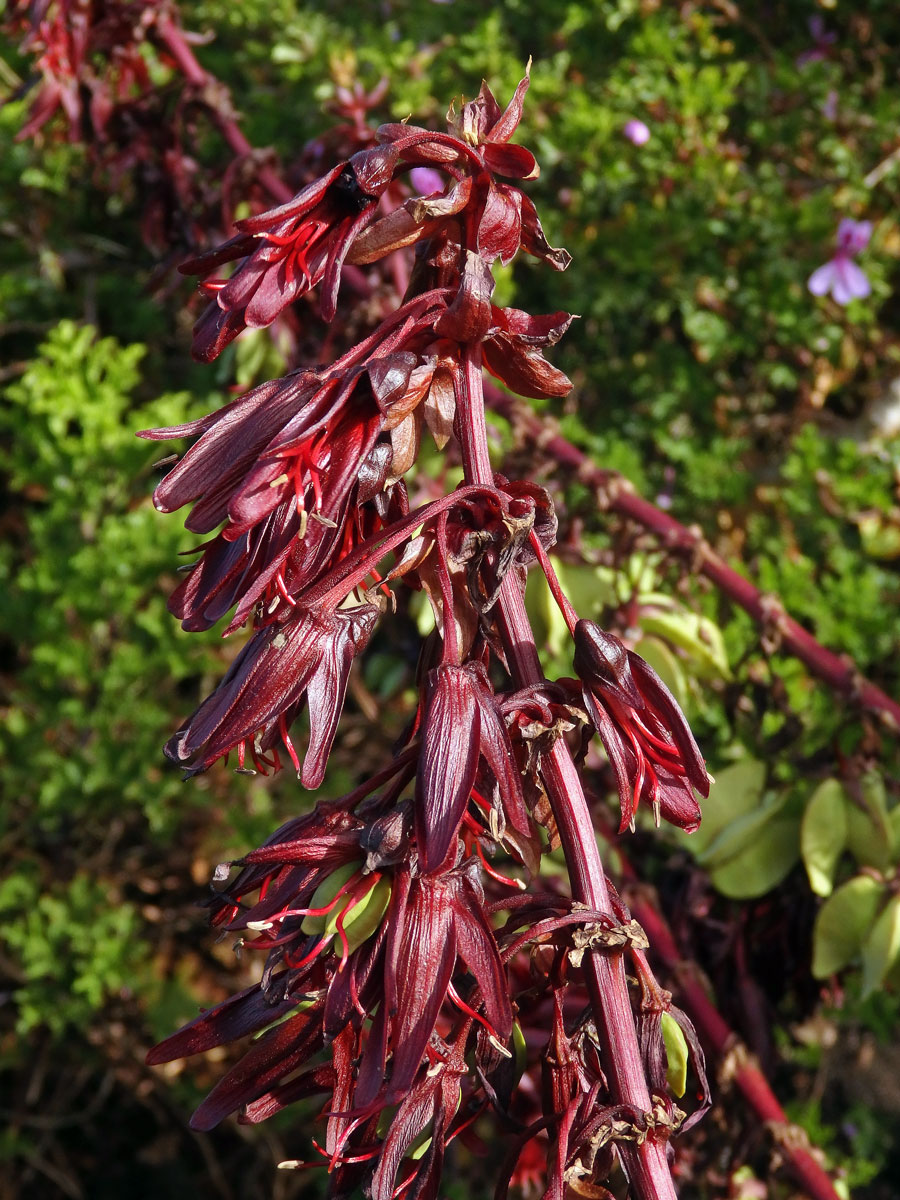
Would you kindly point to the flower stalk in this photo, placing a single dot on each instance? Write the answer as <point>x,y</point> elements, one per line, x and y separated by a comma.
<point>375,913</point>
<point>646,1162</point>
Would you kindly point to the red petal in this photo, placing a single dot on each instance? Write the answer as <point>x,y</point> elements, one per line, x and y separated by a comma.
<point>513,161</point>
<point>234,1018</point>
<point>500,227</point>
<point>275,1055</point>
<point>506,125</point>
<point>426,960</point>
<point>469,317</point>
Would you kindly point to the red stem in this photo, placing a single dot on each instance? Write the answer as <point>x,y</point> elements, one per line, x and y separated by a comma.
<point>617,494</point>
<point>646,1164</point>
<point>220,105</point>
<point>713,1030</point>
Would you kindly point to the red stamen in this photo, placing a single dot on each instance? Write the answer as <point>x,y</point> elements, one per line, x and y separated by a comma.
<point>470,1012</point>
<point>282,590</point>
<point>313,954</point>
<point>288,744</point>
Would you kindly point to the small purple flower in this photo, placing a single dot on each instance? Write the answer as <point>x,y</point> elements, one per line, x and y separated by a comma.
<point>637,132</point>
<point>840,275</point>
<point>823,40</point>
<point>830,106</point>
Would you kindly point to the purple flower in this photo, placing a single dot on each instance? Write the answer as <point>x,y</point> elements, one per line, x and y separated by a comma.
<point>840,275</point>
<point>823,40</point>
<point>637,132</point>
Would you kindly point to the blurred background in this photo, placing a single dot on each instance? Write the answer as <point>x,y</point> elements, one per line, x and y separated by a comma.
<point>697,161</point>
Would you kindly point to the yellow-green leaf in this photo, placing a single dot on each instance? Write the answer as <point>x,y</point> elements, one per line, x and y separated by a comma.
<point>870,836</point>
<point>843,924</point>
<point>762,863</point>
<point>823,835</point>
<point>736,793</point>
<point>676,1054</point>
<point>882,947</point>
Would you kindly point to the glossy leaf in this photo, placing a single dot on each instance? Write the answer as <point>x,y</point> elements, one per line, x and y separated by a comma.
<point>823,835</point>
<point>882,947</point>
<point>843,924</point>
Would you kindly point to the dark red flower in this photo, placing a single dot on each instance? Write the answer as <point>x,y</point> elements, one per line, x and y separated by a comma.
<point>309,654</point>
<point>288,250</point>
<point>650,746</point>
<point>460,725</point>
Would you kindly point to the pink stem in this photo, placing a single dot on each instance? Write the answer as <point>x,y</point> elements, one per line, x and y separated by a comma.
<point>646,1164</point>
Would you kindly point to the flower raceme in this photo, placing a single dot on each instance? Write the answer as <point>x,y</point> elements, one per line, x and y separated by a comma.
<point>390,985</point>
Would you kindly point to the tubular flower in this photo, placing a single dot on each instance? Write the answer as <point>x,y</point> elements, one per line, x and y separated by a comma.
<point>307,655</point>
<point>650,746</point>
<point>461,724</point>
<point>288,250</point>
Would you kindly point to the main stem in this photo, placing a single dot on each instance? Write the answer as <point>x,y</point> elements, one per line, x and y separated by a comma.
<point>646,1164</point>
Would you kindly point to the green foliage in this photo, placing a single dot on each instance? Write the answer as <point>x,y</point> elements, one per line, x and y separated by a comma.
<point>75,946</point>
<point>84,600</point>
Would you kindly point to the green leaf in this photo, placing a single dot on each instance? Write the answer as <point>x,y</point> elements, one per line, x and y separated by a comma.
<point>676,1054</point>
<point>823,835</point>
<point>742,833</point>
<point>843,923</point>
<point>762,863</point>
<point>696,635</point>
<point>870,835</point>
<point>736,793</point>
<point>882,947</point>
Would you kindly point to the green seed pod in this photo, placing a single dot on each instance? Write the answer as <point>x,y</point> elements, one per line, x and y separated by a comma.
<point>324,894</point>
<point>364,917</point>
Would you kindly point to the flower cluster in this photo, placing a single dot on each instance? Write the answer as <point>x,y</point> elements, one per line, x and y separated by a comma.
<point>418,988</point>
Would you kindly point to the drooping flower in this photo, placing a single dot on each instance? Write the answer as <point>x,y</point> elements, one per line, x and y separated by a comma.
<point>637,132</point>
<point>288,250</point>
<point>310,654</point>
<point>840,275</point>
<point>649,743</point>
<point>461,724</point>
